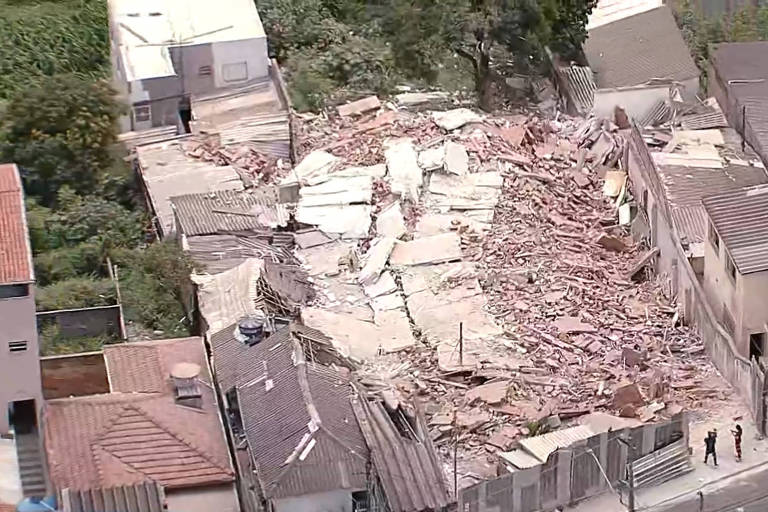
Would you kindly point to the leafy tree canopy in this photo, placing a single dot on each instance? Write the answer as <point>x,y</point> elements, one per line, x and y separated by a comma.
<point>60,133</point>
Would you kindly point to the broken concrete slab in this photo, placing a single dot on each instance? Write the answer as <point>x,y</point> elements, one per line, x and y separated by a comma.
<point>456,159</point>
<point>614,182</point>
<point>572,324</point>
<point>349,221</point>
<point>308,238</point>
<point>375,260</point>
<point>314,165</point>
<point>324,260</point>
<point>403,167</point>
<point>359,339</point>
<point>433,249</point>
<point>456,118</point>
<point>374,171</point>
<point>337,191</point>
<point>360,106</point>
<point>432,159</point>
<point>491,393</point>
<point>412,99</point>
<point>387,302</point>
<point>384,285</point>
<point>431,224</point>
<point>390,221</point>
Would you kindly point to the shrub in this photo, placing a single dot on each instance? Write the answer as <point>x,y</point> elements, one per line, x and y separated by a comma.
<point>78,292</point>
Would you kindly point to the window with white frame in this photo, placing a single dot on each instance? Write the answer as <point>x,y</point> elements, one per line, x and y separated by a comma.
<point>235,72</point>
<point>141,113</point>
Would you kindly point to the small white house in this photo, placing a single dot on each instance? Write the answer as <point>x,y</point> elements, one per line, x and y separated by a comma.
<point>166,51</point>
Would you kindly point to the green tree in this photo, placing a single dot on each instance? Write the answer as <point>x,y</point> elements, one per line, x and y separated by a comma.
<point>60,133</point>
<point>524,28</point>
<point>46,38</point>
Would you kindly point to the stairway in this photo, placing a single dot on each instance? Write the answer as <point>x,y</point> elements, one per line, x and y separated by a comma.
<point>31,468</point>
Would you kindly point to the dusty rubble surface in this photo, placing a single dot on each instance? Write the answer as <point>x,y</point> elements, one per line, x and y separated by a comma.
<point>557,317</point>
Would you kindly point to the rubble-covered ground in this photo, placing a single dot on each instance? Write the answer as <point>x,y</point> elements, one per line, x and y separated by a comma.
<point>557,317</point>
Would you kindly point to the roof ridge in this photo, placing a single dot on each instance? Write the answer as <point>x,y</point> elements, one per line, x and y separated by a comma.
<point>161,426</point>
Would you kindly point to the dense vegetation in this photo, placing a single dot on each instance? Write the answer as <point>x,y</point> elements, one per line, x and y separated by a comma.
<point>59,125</point>
<point>360,46</point>
<point>748,24</point>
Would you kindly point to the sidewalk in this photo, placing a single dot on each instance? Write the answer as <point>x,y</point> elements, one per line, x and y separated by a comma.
<point>755,452</point>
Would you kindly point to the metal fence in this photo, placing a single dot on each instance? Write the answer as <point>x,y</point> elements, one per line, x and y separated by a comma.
<point>572,474</point>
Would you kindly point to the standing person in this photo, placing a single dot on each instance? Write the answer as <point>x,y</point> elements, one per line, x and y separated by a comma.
<point>737,441</point>
<point>710,442</point>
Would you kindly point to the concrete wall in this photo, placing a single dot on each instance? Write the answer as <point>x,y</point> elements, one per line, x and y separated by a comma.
<point>96,321</point>
<point>637,101</point>
<point>163,94</point>
<point>697,308</point>
<point>19,371</point>
<point>74,375</point>
<point>574,473</point>
<point>220,498</point>
<point>332,501</point>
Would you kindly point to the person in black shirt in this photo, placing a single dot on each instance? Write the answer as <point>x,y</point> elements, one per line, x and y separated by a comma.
<point>710,442</point>
<point>737,441</point>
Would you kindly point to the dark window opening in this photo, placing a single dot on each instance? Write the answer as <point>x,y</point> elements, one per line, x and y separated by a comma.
<point>644,201</point>
<point>10,291</point>
<point>185,113</point>
<point>713,238</point>
<point>22,416</point>
<point>360,501</point>
<point>405,423</point>
<point>17,346</point>
<point>233,413</point>
<point>757,345</point>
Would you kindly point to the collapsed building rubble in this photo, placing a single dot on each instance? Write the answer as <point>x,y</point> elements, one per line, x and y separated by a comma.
<point>527,300</point>
<point>483,266</point>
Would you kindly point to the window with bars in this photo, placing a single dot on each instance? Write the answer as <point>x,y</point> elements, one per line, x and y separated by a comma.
<point>205,71</point>
<point>714,239</point>
<point>730,268</point>
<point>141,113</point>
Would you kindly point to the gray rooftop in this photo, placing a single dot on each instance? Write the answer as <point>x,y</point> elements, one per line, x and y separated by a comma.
<point>638,49</point>
<point>740,218</point>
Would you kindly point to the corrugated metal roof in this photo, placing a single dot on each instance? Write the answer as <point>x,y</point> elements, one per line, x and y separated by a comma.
<point>542,446</point>
<point>638,49</point>
<point>520,459</point>
<point>298,422</point>
<point>690,223</point>
<point>581,86</point>
<point>15,249</point>
<point>408,469</point>
<point>608,11</point>
<point>229,211</point>
<point>167,171</point>
<point>218,253</point>
<point>144,497</point>
<point>740,218</point>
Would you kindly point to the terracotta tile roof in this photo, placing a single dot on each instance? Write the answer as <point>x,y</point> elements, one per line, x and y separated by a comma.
<point>15,249</point>
<point>144,367</point>
<point>132,436</point>
<point>299,423</point>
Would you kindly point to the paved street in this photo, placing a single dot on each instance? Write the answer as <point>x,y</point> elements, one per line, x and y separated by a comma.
<point>730,483</point>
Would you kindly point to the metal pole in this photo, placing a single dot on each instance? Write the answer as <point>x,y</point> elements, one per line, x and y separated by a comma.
<point>455,456</point>
<point>461,343</point>
<point>743,128</point>
<point>631,479</point>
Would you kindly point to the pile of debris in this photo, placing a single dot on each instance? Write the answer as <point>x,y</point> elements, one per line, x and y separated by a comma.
<point>253,166</point>
<point>504,243</point>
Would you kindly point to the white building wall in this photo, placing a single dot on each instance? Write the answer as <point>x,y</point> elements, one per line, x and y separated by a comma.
<point>230,54</point>
<point>220,498</point>
<point>331,501</point>
<point>637,101</point>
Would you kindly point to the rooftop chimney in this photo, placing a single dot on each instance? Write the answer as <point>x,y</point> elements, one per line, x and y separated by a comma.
<point>250,330</point>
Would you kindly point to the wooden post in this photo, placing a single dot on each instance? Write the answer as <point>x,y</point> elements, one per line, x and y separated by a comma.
<point>461,343</point>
